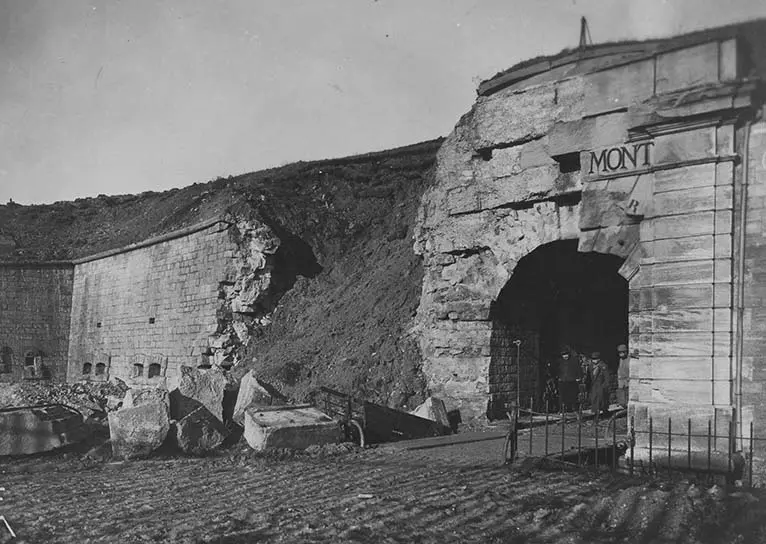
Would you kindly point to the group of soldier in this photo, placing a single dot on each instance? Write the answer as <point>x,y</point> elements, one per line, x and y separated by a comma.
<point>574,380</point>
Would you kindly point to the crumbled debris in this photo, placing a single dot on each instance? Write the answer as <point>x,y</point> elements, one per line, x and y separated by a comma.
<point>89,398</point>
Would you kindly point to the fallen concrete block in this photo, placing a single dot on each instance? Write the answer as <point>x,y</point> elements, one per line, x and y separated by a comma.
<point>433,409</point>
<point>200,432</point>
<point>294,427</point>
<point>254,392</point>
<point>198,388</point>
<point>137,432</point>
<point>28,430</point>
<point>137,397</point>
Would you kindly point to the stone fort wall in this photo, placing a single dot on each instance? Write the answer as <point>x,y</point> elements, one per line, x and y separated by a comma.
<point>35,303</point>
<point>156,304</point>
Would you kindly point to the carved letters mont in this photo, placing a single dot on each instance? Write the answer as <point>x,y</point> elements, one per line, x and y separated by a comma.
<point>624,157</point>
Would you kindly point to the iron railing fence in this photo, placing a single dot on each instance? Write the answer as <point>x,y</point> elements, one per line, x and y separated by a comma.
<point>667,447</point>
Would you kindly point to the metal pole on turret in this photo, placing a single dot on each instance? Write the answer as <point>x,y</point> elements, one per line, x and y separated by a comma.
<point>585,38</point>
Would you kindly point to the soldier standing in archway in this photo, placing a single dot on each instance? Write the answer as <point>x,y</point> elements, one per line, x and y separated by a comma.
<point>569,374</point>
<point>599,388</point>
<point>623,375</point>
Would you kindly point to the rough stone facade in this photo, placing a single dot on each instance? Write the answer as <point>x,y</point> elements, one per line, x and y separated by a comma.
<point>35,302</point>
<point>635,151</point>
<point>187,299</point>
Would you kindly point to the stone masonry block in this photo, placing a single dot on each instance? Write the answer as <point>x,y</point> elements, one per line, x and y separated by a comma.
<point>687,67</point>
<point>294,427</point>
<point>507,116</point>
<point>532,184</point>
<point>618,87</point>
<point>685,146</point>
<point>589,133</point>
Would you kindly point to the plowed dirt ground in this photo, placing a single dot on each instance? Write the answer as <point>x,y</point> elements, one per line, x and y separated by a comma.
<point>456,493</point>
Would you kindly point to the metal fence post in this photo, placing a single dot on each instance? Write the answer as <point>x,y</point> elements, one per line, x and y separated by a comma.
<point>563,426</point>
<point>614,445</point>
<point>546,427</point>
<point>731,445</point>
<point>651,435</point>
<point>579,436</point>
<point>709,447</point>
<point>750,460</point>
<point>670,434</point>
<point>595,432</point>
<point>531,425</point>
<point>632,442</point>
<point>689,444</point>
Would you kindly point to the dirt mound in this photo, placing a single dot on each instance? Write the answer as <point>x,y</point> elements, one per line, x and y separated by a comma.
<point>352,281</point>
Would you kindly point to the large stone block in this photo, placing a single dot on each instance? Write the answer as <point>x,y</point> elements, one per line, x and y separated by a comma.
<point>198,388</point>
<point>137,397</point>
<point>200,432</point>
<point>688,177</point>
<point>617,240</point>
<point>618,87</point>
<point>676,391</point>
<point>294,427</point>
<point>686,146</point>
<point>532,184</point>
<point>253,392</point>
<point>679,416</point>
<point>689,200</point>
<point>589,133</point>
<point>507,116</point>
<point>687,67</point>
<point>137,432</point>
<point>604,203</point>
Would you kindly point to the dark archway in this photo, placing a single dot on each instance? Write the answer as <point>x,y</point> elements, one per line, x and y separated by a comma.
<point>555,296</point>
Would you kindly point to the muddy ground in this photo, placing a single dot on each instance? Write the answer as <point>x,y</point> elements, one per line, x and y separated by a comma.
<point>344,494</point>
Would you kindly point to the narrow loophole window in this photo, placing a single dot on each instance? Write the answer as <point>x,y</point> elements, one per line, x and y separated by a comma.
<point>569,162</point>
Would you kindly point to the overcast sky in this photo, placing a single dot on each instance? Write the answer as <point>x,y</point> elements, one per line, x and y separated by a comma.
<point>127,96</point>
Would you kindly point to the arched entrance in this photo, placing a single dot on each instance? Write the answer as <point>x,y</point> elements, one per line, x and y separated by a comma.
<point>555,296</point>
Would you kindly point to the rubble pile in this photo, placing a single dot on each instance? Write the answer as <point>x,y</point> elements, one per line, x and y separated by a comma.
<point>192,418</point>
<point>92,400</point>
<point>207,408</point>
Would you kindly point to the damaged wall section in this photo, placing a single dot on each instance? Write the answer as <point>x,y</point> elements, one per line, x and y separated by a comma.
<point>190,298</point>
<point>249,293</point>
